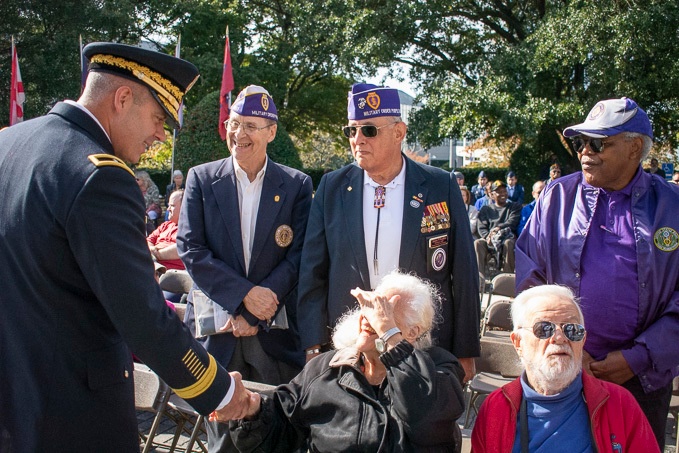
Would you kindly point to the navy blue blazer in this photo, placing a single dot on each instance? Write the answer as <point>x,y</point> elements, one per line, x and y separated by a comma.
<point>334,259</point>
<point>210,245</point>
<point>78,291</point>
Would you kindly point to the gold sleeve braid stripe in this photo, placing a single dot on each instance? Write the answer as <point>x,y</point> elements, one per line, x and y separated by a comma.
<point>108,160</point>
<point>160,84</point>
<point>204,378</point>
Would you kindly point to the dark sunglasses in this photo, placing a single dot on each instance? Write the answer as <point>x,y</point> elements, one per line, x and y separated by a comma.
<point>546,329</point>
<point>595,144</point>
<point>368,131</point>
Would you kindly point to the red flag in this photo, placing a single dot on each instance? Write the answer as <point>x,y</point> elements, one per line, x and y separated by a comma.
<point>16,91</point>
<point>227,86</point>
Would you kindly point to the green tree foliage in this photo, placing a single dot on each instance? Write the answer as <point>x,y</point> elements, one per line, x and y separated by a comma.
<point>527,69</point>
<point>199,140</point>
<point>46,34</point>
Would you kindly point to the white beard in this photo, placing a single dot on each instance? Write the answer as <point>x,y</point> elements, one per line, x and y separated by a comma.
<point>553,373</point>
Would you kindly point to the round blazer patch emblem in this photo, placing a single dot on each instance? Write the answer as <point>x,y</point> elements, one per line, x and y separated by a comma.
<point>666,239</point>
<point>284,236</point>
<point>438,259</point>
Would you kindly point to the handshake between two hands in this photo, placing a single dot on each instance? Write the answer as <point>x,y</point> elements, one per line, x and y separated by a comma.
<point>243,404</point>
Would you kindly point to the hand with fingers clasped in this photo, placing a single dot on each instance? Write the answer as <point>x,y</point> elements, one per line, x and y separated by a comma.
<point>239,327</point>
<point>243,404</point>
<point>261,302</point>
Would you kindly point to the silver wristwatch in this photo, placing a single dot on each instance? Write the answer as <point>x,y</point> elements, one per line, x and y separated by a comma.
<point>381,343</point>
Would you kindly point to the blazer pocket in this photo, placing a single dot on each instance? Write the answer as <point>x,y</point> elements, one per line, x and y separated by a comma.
<point>108,366</point>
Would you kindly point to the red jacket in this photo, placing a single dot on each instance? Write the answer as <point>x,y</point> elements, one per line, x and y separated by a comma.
<point>615,418</point>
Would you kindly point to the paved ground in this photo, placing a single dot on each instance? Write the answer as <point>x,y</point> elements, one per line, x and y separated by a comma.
<point>167,429</point>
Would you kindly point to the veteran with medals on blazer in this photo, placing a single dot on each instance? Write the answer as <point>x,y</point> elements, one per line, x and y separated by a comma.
<point>381,213</point>
<point>240,236</point>
<point>78,287</point>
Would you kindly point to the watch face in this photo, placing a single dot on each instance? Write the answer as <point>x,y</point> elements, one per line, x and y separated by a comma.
<point>380,345</point>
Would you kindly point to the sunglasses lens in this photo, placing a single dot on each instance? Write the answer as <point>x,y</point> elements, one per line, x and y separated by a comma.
<point>369,131</point>
<point>596,144</point>
<point>543,329</point>
<point>578,145</point>
<point>349,131</point>
<point>574,332</point>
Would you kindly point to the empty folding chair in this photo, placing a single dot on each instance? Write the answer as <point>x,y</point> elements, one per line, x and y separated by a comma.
<point>503,286</point>
<point>150,394</point>
<point>498,365</point>
<point>497,322</point>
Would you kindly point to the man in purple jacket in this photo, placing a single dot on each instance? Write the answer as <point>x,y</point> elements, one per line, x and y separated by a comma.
<point>610,234</point>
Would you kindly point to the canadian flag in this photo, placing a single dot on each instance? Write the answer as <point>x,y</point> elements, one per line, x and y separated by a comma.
<point>16,92</point>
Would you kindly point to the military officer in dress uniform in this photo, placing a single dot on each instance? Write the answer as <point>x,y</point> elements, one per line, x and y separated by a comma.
<point>78,289</point>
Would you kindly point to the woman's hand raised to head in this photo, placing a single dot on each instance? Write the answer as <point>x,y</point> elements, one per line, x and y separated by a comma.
<point>377,309</point>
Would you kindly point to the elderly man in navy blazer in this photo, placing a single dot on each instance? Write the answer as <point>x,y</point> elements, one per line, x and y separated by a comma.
<point>381,213</point>
<point>240,235</point>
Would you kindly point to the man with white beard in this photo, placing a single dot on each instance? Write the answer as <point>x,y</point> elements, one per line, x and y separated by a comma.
<point>553,404</point>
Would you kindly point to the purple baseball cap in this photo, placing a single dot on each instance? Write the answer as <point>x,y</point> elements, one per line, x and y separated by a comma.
<point>370,101</point>
<point>255,101</point>
<point>611,117</point>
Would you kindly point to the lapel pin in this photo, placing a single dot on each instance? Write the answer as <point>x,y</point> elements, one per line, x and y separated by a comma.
<point>349,188</point>
<point>277,198</point>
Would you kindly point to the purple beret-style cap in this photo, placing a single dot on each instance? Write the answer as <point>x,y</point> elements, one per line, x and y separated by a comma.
<point>370,101</point>
<point>255,101</point>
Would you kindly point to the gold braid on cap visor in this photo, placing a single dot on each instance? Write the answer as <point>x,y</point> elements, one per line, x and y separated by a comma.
<point>170,95</point>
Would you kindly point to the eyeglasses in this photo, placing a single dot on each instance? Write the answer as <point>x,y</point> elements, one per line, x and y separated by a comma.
<point>595,144</point>
<point>546,329</point>
<point>248,128</point>
<point>368,130</point>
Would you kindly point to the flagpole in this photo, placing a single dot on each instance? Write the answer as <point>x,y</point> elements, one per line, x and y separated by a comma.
<point>177,53</point>
<point>82,65</point>
<point>11,85</point>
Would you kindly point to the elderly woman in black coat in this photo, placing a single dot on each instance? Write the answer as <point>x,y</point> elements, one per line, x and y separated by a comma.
<point>385,387</point>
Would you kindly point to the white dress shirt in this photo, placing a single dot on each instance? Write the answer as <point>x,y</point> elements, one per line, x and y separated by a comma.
<point>391,223</point>
<point>249,194</point>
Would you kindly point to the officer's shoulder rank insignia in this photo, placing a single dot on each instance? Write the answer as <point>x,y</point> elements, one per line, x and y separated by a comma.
<point>284,236</point>
<point>108,160</point>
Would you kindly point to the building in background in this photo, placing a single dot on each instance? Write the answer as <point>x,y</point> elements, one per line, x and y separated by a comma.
<point>450,151</point>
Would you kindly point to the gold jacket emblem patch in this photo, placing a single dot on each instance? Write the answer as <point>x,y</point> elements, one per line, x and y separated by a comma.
<point>284,236</point>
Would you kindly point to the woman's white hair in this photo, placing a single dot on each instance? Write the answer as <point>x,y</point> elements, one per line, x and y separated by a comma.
<point>522,304</point>
<point>420,305</point>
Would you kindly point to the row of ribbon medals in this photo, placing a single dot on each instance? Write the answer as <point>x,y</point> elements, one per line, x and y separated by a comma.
<point>435,217</point>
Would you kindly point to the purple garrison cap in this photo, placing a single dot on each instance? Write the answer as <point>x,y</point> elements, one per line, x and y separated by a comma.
<point>255,101</point>
<point>370,101</point>
<point>611,117</point>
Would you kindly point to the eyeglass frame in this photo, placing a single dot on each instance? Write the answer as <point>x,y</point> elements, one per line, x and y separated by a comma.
<point>597,145</point>
<point>347,130</point>
<point>540,325</point>
<point>248,128</point>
